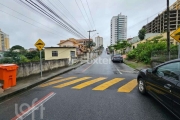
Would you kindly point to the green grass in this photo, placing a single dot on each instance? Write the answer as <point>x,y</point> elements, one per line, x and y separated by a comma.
<point>131,65</point>
<point>136,65</point>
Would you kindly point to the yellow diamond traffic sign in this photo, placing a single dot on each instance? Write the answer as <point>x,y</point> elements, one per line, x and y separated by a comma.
<point>176,35</point>
<point>39,44</point>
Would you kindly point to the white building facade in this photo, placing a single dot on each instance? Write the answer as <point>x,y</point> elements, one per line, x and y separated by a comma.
<point>118,28</point>
<point>98,41</point>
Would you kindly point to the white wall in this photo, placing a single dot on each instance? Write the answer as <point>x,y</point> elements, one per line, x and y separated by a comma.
<point>113,30</point>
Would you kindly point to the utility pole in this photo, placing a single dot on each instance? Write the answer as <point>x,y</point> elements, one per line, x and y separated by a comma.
<point>168,31</point>
<point>89,40</point>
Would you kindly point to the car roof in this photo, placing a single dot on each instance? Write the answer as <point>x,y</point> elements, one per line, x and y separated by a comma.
<point>171,61</point>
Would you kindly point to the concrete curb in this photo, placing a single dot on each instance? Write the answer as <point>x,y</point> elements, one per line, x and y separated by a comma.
<point>12,94</point>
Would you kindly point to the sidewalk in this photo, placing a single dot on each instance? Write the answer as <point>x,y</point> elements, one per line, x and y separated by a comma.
<point>24,84</point>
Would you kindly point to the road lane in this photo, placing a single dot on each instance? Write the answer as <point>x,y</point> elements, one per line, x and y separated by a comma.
<point>91,100</point>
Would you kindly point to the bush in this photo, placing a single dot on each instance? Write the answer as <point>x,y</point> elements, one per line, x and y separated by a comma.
<point>23,59</point>
<point>143,51</point>
<point>35,59</point>
<point>6,60</point>
<point>131,55</point>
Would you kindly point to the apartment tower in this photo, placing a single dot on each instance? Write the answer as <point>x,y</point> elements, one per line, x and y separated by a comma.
<point>118,28</point>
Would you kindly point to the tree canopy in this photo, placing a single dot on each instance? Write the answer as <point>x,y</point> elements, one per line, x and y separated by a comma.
<point>17,47</point>
<point>142,34</point>
<point>121,45</point>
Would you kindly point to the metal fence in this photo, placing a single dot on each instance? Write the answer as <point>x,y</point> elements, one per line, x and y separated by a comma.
<point>158,57</point>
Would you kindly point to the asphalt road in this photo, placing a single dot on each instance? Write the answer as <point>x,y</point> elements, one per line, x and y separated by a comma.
<point>99,90</point>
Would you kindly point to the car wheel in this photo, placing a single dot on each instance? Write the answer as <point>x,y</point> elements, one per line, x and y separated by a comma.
<point>141,86</point>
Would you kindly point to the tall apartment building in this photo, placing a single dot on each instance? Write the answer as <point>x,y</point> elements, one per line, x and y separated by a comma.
<point>159,24</point>
<point>4,41</point>
<point>98,41</point>
<point>118,28</point>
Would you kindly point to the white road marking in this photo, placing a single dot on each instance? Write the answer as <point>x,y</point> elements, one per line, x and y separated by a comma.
<point>117,69</point>
<point>35,106</point>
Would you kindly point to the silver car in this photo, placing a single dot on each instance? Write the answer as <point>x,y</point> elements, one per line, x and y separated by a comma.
<point>117,58</point>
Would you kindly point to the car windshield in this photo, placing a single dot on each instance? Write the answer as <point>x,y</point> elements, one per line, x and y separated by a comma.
<point>78,59</point>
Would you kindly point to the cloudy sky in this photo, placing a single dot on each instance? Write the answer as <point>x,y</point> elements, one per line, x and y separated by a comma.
<point>25,26</point>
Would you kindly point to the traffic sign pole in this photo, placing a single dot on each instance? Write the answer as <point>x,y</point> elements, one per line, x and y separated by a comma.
<point>41,63</point>
<point>40,45</point>
<point>179,51</point>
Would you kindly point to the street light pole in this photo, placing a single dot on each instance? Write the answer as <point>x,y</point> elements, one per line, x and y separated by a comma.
<point>168,31</point>
<point>89,40</point>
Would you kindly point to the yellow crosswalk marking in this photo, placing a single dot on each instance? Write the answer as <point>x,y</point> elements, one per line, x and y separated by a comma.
<point>108,84</point>
<point>128,87</point>
<point>57,81</point>
<point>85,84</point>
<point>71,82</point>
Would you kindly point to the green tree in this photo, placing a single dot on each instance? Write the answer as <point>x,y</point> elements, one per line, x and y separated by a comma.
<point>142,34</point>
<point>122,45</point>
<point>17,47</point>
<point>32,54</point>
<point>23,59</point>
<point>35,59</point>
<point>6,60</point>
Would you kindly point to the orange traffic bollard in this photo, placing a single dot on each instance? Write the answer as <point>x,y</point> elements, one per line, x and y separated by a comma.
<point>8,75</point>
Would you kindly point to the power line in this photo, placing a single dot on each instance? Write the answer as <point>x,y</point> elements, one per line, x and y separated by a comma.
<point>70,14</point>
<point>25,16</point>
<point>27,22</point>
<point>61,12</point>
<point>86,13</point>
<point>82,14</point>
<point>90,13</point>
<point>50,10</point>
<point>144,19</point>
<point>41,10</point>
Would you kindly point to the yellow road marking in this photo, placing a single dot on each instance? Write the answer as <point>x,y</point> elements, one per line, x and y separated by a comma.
<point>128,87</point>
<point>85,84</point>
<point>71,82</point>
<point>57,81</point>
<point>108,84</point>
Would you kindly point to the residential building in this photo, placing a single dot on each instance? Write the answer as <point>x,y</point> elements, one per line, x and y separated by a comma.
<point>80,44</point>
<point>135,40</point>
<point>118,28</point>
<point>4,41</point>
<point>32,49</point>
<point>54,53</point>
<point>149,37</point>
<point>98,41</point>
<point>159,24</point>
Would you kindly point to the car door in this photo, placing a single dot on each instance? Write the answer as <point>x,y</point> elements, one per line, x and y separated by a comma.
<point>162,81</point>
<point>176,100</point>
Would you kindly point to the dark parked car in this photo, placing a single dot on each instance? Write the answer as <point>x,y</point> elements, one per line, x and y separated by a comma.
<point>163,83</point>
<point>117,58</point>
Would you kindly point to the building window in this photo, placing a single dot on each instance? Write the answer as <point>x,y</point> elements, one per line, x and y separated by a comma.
<point>72,53</point>
<point>54,53</point>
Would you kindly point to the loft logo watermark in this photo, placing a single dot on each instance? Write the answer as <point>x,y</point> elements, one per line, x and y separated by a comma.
<point>100,61</point>
<point>25,109</point>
